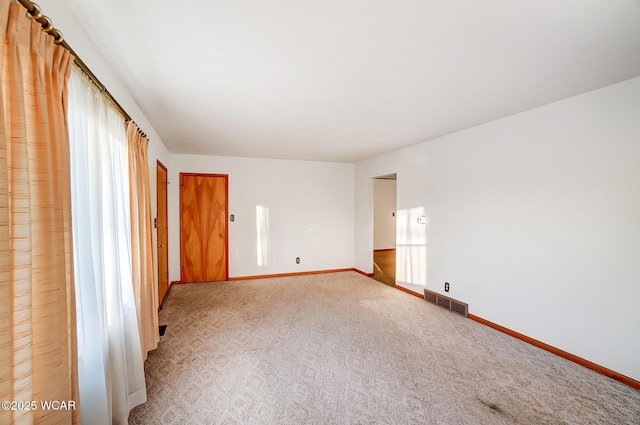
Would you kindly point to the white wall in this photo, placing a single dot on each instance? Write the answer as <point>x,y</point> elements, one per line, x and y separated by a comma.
<point>309,206</point>
<point>80,40</point>
<point>384,208</point>
<point>534,220</point>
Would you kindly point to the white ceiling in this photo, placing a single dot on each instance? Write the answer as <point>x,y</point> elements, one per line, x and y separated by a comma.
<point>344,80</point>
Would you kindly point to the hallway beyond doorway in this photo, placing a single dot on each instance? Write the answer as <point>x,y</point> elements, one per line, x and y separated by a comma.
<point>384,266</point>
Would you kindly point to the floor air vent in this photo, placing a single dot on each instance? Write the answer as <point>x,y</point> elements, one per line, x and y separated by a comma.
<point>446,302</point>
<point>431,297</point>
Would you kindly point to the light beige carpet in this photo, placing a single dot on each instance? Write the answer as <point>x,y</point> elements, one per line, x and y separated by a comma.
<point>344,349</point>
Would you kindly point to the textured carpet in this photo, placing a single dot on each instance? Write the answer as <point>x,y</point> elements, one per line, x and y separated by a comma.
<point>344,349</point>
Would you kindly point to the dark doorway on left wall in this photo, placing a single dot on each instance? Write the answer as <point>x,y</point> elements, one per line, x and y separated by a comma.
<point>162,232</point>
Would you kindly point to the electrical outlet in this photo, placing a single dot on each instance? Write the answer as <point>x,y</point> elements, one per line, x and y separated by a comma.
<point>446,287</point>
<point>297,260</point>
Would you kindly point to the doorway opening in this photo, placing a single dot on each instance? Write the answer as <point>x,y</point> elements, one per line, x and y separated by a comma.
<point>384,229</point>
<point>162,228</point>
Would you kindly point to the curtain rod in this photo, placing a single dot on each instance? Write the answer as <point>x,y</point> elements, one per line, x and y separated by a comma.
<point>35,13</point>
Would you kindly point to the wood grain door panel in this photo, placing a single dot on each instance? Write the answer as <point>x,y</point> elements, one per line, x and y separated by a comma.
<point>203,227</point>
<point>162,232</point>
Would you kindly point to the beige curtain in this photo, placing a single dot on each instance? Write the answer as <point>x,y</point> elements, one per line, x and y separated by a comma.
<point>145,289</point>
<point>37,311</point>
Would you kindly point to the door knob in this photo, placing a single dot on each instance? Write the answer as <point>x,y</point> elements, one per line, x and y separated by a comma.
<point>161,246</point>
<point>222,235</point>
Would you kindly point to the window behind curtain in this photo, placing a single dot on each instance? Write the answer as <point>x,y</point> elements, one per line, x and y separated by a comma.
<point>110,368</point>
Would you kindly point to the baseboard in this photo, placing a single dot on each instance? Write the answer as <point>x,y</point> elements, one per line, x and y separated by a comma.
<point>174,282</point>
<point>409,291</point>
<point>268,276</point>
<point>363,273</point>
<point>571,357</point>
<point>402,288</point>
<point>164,299</point>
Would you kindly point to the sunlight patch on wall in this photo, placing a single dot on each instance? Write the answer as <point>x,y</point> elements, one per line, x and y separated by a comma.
<point>262,235</point>
<point>411,246</point>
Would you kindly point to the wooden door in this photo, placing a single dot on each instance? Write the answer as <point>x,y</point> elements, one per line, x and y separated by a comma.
<point>163,232</point>
<point>203,227</point>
